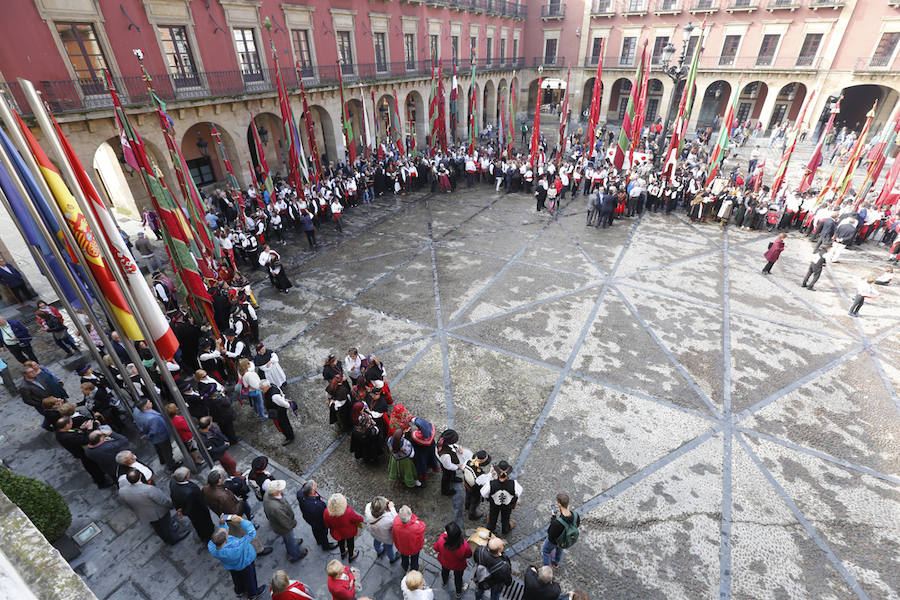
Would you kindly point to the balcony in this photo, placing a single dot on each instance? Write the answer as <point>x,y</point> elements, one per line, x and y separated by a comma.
<point>548,62</point>
<point>635,8</point>
<point>553,11</point>
<point>704,6</point>
<point>748,6</point>
<point>833,4</point>
<point>790,5</point>
<point>759,63</point>
<point>602,8</point>
<point>667,7</point>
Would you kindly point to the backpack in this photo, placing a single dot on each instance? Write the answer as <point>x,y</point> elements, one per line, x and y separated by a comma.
<point>53,322</point>
<point>569,535</point>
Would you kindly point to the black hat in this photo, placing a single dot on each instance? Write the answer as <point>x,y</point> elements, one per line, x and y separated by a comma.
<point>228,332</point>
<point>483,456</point>
<point>259,463</point>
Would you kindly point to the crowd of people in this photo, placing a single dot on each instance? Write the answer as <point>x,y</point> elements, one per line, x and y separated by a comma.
<point>218,374</point>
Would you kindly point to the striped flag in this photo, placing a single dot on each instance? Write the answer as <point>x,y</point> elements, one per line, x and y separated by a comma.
<point>789,150</point>
<point>850,167</point>
<point>718,152</point>
<point>442,111</point>
<point>265,175</point>
<point>22,216</point>
<point>365,117</point>
<point>564,120</point>
<point>298,171</point>
<point>83,235</point>
<point>345,119</point>
<point>816,159</point>
<point>163,336</point>
<point>473,107</point>
<point>511,106</point>
<point>878,156</point>
<point>174,228</point>
<point>310,134</point>
<point>890,178</point>
<point>432,112</point>
<point>594,113</point>
<point>536,125</point>
<point>454,102</point>
<point>398,131</point>
<point>678,128</point>
<point>625,143</point>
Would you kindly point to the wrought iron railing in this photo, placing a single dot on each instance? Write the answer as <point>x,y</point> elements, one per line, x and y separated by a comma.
<point>553,10</point>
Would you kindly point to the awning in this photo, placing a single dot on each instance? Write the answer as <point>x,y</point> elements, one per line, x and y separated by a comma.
<point>553,84</point>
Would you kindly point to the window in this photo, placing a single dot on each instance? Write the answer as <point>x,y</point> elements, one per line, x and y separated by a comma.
<point>454,47</point>
<point>201,170</point>
<point>502,51</point>
<point>380,52</point>
<point>624,93</point>
<point>85,55</point>
<point>704,4</point>
<point>595,50</point>
<point>473,45</point>
<point>635,5</point>
<point>692,45</point>
<point>489,48</point>
<point>345,51</point>
<point>809,49</point>
<point>178,57</point>
<point>434,46</point>
<point>550,51</point>
<point>652,109</point>
<point>409,50</point>
<point>743,112</point>
<point>629,46</point>
<point>304,54</point>
<point>668,5</point>
<point>248,56</point>
<point>884,52</point>
<point>515,51</point>
<point>729,49</point>
<point>767,49</point>
<point>658,44</point>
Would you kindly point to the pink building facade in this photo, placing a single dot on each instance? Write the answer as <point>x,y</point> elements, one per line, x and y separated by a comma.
<point>213,63</point>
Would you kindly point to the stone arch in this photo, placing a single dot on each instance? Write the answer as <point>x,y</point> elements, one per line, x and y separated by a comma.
<point>586,95</point>
<point>416,120</point>
<point>323,130</point>
<point>751,101</point>
<point>488,104</point>
<point>713,104</point>
<point>355,116</point>
<point>201,152</point>
<point>119,183</point>
<point>859,99</point>
<point>272,138</point>
<point>386,118</point>
<point>793,94</point>
<point>533,95</point>
<point>618,100</point>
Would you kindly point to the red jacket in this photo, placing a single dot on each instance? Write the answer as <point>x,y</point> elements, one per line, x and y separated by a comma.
<point>775,251</point>
<point>342,589</point>
<point>409,537</point>
<point>455,560</point>
<point>295,591</point>
<point>182,428</point>
<point>342,527</point>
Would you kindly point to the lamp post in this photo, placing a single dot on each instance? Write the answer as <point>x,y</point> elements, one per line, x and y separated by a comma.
<point>677,72</point>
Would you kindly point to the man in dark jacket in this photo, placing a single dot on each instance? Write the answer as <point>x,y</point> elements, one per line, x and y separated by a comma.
<point>607,208</point>
<point>312,507</point>
<point>844,235</point>
<point>497,570</point>
<point>102,449</point>
<point>33,392</point>
<point>281,518</point>
<point>539,584</point>
<point>74,440</point>
<point>187,499</point>
<point>826,232</point>
<point>12,278</point>
<point>815,269</point>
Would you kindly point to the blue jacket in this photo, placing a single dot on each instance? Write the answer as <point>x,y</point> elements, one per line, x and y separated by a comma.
<point>19,331</point>
<point>151,425</point>
<point>236,553</point>
<point>313,509</point>
<point>12,278</point>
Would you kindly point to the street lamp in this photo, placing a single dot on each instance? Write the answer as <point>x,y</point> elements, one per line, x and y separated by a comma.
<point>677,72</point>
<point>203,146</point>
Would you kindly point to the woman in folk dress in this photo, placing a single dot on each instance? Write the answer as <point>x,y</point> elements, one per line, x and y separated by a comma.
<point>267,361</point>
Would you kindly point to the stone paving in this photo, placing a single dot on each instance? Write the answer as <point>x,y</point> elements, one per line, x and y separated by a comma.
<point>724,434</point>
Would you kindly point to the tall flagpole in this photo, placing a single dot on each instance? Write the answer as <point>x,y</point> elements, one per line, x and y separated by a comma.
<point>72,182</point>
<point>45,268</point>
<point>18,141</point>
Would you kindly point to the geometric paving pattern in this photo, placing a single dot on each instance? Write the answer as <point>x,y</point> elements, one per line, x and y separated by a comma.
<point>723,434</point>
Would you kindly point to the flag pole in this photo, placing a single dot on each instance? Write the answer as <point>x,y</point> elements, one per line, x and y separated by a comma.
<point>72,182</point>
<point>48,273</point>
<point>18,141</point>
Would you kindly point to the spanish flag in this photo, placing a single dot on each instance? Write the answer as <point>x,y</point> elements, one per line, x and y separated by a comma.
<point>83,235</point>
